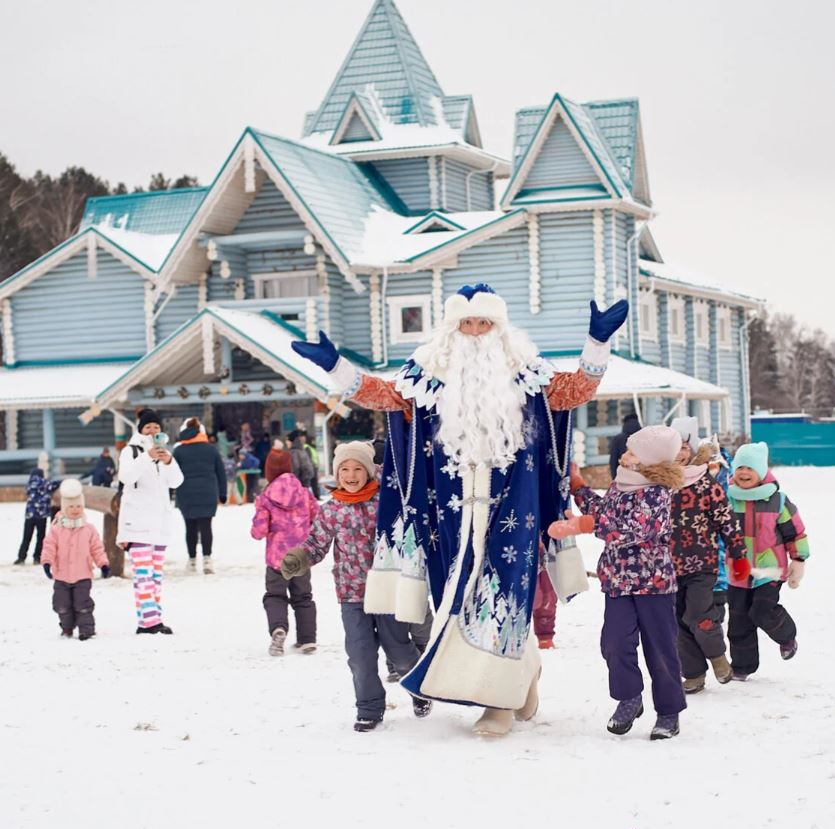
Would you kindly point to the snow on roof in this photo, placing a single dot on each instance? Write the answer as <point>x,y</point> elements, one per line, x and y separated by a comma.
<point>687,277</point>
<point>149,248</point>
<point>385,240</point>
<point>56,386</point>
<point>623,378</point>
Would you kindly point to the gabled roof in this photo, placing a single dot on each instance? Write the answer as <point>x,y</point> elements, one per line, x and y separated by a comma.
<point>386,55</point>
<point>433,222</point>
<point>360,120</point>
<point>674,278</point>
<point>585,131</point>
<point>182,356</point>
<point>459,113</point>
<point>611,128</point>
<point>160,211</point>
<point>90,239</point>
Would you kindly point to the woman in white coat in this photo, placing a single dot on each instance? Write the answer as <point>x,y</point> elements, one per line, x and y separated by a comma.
<point>147,472</point>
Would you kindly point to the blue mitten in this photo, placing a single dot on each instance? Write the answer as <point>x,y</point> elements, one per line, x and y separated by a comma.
<point>105,572</point>
<point>47,568</point>
<point>604,323</point>
<point>323,353</point>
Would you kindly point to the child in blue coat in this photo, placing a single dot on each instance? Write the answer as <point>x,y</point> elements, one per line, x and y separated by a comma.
<point>38,507</point>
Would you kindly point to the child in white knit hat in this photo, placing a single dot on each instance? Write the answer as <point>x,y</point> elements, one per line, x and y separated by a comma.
<point>637,575</point>
<point>69,552</point>
<point>349,522</point>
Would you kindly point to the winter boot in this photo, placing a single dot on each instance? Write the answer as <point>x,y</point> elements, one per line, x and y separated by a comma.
<point>191,567</point>
<point>694,684</point>
<point>161,628</point>
<point>788,650</point>
<point>546,643</point>
<point>393,676</point>
<point>208,567</point>
<point>277,643</point>
<point>67,632</point>
<point>738,676</point>
<point>494,722</point>
<point>83,637</point>
<point>531,706</point>
<point>362,724</point>
<point>666,726</point>
<point>626,713</point>
<point>308,647</point>
<point>20,560</point>
<point>721,669</point>
<point>421,707</point>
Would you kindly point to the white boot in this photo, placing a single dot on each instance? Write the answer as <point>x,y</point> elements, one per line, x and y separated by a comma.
<point>208,568</point>
<point>531,706</point>
<point>494,722</point>
<point>277,643</point>
<point>191,567</point>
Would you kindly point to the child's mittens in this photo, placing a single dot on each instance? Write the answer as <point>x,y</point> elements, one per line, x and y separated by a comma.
<point>47,568</point>
<point>796,570</point>
<point>295,563</point>
<point>105,572</point>
<point>572,525</point>
<point>575,479</point>
<point>740,568</point>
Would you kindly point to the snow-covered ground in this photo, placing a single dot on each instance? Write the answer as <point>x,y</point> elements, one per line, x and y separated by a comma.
<point>204,729</point>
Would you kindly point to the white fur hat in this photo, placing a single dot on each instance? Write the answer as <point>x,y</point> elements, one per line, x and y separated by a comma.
<point>71,493</point>
<point>688,428</point>
<point>475,301</point>
<point>356,450</point>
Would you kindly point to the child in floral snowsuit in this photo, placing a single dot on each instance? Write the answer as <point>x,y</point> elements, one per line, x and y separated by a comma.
<point>349,521</point>
<point>701,516</point>
<point>637,575</point>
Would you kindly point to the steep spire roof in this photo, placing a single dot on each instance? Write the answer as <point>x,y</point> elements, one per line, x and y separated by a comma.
<point>386,56</point>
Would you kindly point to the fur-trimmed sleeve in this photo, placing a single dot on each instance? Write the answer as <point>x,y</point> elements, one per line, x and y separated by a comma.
<point>379,395</point>
<point>567,390</point>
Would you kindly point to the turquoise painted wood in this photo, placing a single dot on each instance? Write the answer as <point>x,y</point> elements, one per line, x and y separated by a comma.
<point>455,187</point>
<point>69,431</point>
<point>560,162</point>
<point>178,310</point>
<point>409,179</point>
<point>796,444</point>
<point>64,315</point>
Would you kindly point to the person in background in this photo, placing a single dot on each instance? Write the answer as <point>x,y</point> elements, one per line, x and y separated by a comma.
<point>544,605</point>
<point>148,472</point>
<point>103,471</point>
<point>262,449</point>
<point>38,510</point>
<point>303,467</point>
<point>70,550</point>
<point>247,439</point>
<point>203,486</point>
<point>617,447</point>
<point>283,515</point>
<point>248,463</point>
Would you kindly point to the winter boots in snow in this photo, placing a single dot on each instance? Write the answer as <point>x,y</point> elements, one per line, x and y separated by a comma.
<point>694,684</point>
<point>208,567</point>
<point>788,650</point>
<point>626,713</point>
<point>83,637</point>
<point>307,647</point>
<point>546,643</point>
<point>277,643</point>
<point>362,725</point>
<point>421,707</point>
<point>160,628</point>
<point>666,726</point>
<point>721,669</point>
<point>738,676</point>
<point>67,632</point>
<point>494,722</point>
<point>191,567</point>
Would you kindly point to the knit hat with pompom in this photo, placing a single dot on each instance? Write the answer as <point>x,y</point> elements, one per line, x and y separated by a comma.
<point>71,493</point>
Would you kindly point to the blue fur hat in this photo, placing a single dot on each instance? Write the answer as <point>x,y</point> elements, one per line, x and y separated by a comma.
<point>754,456</point>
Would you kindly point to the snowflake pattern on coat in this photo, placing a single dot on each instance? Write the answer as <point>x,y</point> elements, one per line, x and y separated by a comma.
<point>351,528</point>
<point>39,496</point>
<point>701,515</point>
<point>635,527</point>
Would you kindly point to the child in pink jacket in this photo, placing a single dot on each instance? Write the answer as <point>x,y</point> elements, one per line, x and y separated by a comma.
<point>283,515</point>
<point>69,552</point>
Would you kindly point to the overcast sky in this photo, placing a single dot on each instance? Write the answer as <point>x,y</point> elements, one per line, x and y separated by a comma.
<point>736,102</point>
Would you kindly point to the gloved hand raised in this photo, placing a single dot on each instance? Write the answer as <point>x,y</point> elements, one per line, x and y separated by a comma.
<point>573,525</point>
<point>323,353</point>
<point>604,323</point>
<point>295,563</point>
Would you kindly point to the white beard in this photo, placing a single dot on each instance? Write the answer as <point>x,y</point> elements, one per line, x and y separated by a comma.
<point>481,406</point>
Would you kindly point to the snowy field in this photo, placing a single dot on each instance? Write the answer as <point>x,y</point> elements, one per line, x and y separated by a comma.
<point>204,729</point>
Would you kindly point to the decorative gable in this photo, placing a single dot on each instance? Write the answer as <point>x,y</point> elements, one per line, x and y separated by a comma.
<point>359,121</point>
<point>432,223</point>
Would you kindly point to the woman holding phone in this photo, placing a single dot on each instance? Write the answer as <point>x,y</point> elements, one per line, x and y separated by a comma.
<point>147,473</point>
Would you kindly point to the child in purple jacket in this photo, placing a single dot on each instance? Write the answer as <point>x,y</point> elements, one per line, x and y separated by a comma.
<point>349,522</point>
<point>637,575</point>
<point>283,515</point>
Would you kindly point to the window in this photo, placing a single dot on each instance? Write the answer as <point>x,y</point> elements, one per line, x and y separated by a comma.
<point>286,285</point>
<point>409,318</point>
<point>723,327</point>
<point>700,322</point>
<point>648,315</point>
<point>675,318</point>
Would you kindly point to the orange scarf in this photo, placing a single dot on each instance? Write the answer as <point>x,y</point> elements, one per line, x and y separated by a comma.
<point>200,437</point>
<point>364,494</point>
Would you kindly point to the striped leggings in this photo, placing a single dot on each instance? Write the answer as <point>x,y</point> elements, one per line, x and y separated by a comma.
<point>147,582</point>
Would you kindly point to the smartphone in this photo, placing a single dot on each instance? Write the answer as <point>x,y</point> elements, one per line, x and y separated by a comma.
<point>161,440</point>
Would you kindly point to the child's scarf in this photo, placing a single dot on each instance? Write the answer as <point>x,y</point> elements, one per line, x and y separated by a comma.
<point>758,493</point>
<point>364,494</point>
<point>659,474</point>
<point>71,523</point>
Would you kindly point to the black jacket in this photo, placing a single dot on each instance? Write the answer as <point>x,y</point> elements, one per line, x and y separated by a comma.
<point>204,479</point>
<point>618,445</point>
<point>103,471</point>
